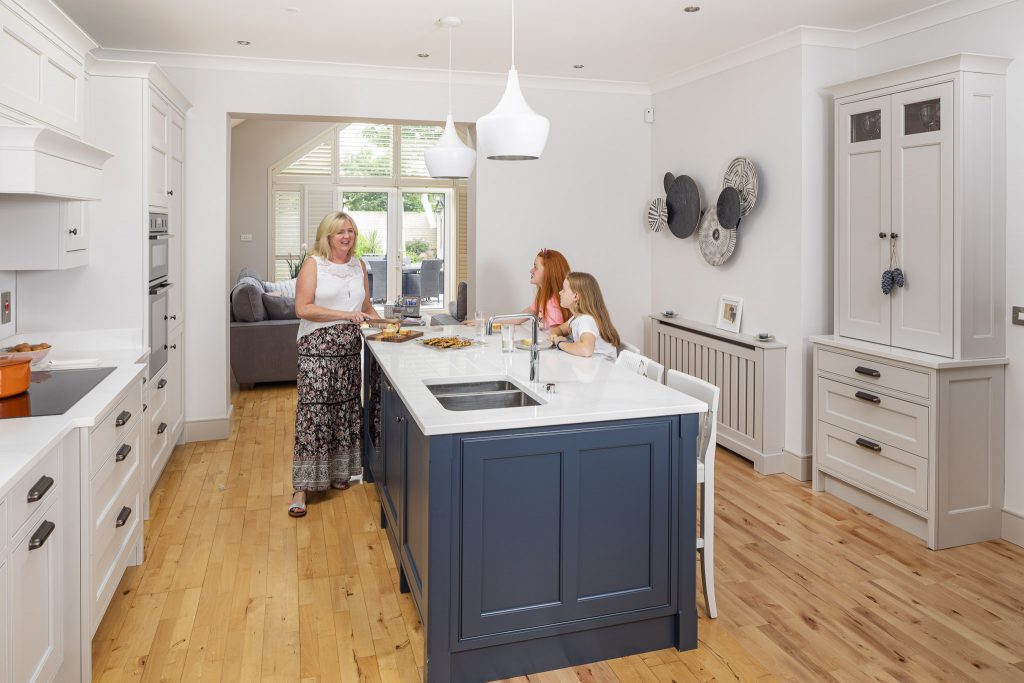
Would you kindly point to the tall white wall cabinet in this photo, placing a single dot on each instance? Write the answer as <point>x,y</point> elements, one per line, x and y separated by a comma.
<point>138,114</point>
<point>909,395</point>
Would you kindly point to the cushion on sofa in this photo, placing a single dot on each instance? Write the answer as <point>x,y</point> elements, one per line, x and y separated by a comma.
<point>247,303</point>
<point>279,307</point>
<point>247,272</point>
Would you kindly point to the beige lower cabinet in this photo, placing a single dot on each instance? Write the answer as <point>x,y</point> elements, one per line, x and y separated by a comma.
<point>913,438</point>
<point>5,619</point>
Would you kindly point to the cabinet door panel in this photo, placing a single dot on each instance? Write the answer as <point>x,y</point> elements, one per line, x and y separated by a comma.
<point>563,526</point>
<point>863,215</point>
<point>176,248</point>
<point>174,408</point>
<point>394,459</point>
<point>5,618</point>
<point>74,226</point>
<point>922,199</point>
<point>37,642</point>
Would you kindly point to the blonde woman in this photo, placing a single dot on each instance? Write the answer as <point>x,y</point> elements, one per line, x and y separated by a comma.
<point>590,328</point>
<point>331,299</point>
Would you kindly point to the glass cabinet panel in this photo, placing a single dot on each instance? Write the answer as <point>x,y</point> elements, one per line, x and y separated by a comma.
<point>866,126</point>
<point>922,117</point>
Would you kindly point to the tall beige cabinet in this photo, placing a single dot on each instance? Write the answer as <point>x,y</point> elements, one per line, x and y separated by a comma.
<point>138,113</point>
<point>909,396</point>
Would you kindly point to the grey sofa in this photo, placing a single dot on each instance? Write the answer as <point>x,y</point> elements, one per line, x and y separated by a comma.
<point>263,337</point>
<point>456,309</point>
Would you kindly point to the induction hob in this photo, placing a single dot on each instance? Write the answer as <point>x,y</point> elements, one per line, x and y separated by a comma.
<point>52,392</point>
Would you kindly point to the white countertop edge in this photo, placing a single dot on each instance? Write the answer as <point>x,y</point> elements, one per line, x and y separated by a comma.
<point>904,356</point>
<point>434,420</point>
<point>25,441</point>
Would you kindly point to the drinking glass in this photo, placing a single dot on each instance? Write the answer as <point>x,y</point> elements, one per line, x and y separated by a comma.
<point>508,335</point>
<point>481,324</point>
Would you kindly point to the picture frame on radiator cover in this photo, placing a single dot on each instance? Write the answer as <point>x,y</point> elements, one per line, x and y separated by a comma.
<point>730,311</point>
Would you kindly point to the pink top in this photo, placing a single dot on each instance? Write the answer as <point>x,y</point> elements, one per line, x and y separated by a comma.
<point>552,313</point>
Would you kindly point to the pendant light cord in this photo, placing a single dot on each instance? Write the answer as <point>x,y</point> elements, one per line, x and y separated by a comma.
<point>449,69</point>
<point>513,34</point>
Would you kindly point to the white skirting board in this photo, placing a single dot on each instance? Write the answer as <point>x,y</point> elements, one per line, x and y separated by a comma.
<point>215,429</point>
<point>1013,527</point>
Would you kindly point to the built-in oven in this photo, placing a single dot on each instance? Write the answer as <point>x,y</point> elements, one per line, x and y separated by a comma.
<point>158,326</point>
<point>159,247</point>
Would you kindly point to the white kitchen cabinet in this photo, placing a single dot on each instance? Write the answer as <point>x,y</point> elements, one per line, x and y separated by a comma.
<point>175,261</point>
<point>5,622</point>
<point>42,233</point>
<point>43,76</point>
<point>165,415</point>
<point>36,598</point>
<point>921,175</point>
<point>166,145</point>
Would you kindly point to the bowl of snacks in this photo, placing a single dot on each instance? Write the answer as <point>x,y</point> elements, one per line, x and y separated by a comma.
<point>31,352</point>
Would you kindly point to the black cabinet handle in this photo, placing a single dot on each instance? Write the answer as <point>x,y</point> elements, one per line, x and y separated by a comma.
<point>174,317</point>
<point>161,384</point>
<point>174,346</point>
<point>122,452</point>
<point>165,317</point>
<point>870,445</point>
<point>36,493</point>
<point>861,370</point>
<point>42,533</point>
<point>122,517</point>
<point>145,407</point>
<point>399,418</point>
<point>893,235</point>
<point>123,418</point>
<point>161,428</point>
<point>882,235</point>
<point>865,396</point>
<point>170,193</point>
<point>73,231</point>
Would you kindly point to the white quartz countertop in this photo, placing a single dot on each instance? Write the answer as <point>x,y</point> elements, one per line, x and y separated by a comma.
<point>586,389</point>
<point>23,441</point>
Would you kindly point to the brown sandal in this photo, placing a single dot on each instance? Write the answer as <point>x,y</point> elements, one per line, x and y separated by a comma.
<point>339,486</point>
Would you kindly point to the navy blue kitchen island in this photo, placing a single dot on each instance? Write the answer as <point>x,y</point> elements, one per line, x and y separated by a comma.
<point>541,546</point>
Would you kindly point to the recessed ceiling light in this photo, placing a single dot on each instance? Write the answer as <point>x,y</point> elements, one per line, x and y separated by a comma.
<point>577,66</point>
<point>243,42</point>
<point>291,9</point>
<point>691,8</point>
<point>423,55</point>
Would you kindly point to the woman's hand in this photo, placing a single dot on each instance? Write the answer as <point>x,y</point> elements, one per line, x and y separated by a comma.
<point>555,338</point>
<point>357,317</point>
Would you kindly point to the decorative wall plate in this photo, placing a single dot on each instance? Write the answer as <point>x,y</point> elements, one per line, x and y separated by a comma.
<point>728,207</point>
<point>657,214</point>
<point>683,206</point>
<point>742,175</point>
<point>715,242</point>
<point>668,180</point>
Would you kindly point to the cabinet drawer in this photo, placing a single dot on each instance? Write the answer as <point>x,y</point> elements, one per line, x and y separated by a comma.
<point>109,567</point>
<point>107,435</point>
<point>876,416</point>
<point>3,529</point>
<point>34,491</point>
<point>869,371</point>
<point>889,472</point>
<point>114,474</point>
<point>157,389</point>
<point>107,537</point>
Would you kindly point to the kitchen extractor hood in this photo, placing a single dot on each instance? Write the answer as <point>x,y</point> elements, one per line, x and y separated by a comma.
<point>41,161</point>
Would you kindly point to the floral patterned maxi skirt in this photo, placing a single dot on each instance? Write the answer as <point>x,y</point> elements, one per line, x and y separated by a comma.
<point>328,418</point>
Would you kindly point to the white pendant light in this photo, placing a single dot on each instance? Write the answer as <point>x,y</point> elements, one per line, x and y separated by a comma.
<point>512,131</point>
<point>449,158</point>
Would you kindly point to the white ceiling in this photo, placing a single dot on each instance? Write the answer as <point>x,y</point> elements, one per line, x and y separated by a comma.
<point>617,40</point>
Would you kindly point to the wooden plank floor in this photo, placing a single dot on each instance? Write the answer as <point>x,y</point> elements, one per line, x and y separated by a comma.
<point>809,588</point>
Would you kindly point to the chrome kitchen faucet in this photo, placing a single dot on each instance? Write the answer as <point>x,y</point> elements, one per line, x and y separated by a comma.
<point>534,348</point>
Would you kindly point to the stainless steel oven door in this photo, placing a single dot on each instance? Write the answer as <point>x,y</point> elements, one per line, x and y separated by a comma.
<point>159,254</point>
<point>158,327</point>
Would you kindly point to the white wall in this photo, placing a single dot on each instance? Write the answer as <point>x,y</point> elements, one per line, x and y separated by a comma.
<point>255,146</point>
<point>998,31</point>
<point>752,110</point>
<point>585,196</point>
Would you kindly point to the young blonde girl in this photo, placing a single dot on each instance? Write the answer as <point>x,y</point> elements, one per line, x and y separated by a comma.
<point>589,332</point>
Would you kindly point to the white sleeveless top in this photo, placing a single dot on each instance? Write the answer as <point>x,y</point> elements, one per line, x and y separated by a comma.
<point>339,286</point>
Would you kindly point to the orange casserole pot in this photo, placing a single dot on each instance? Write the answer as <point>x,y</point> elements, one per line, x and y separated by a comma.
<point>14,376</point>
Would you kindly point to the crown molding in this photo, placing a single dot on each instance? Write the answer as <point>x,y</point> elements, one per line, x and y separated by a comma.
<point>115,68</point>
<point>53,23</point>
<point>182,60</point>
<point>941,13</point>
<point>963,61</point>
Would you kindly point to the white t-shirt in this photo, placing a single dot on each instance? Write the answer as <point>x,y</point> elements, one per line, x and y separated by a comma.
<point>581,324</point>
<point>338,286</point>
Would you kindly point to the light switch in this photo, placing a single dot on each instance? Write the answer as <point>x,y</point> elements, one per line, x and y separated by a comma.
<point>246,237</point>
<point>1018,315</point>
<point>5,308</point>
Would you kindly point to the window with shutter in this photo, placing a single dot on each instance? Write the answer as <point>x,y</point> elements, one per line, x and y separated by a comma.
<point>365,150</point>
<point>415,141</point>
<point>315,162</point>
<point>287,231</point>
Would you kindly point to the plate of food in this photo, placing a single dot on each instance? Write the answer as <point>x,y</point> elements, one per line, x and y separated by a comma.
<point>525,344</point>
<point>34,352</point>
<point>447,343</point>
<point>391,335</point>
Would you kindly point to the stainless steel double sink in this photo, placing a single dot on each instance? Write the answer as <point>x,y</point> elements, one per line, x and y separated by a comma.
<point>481,395</point>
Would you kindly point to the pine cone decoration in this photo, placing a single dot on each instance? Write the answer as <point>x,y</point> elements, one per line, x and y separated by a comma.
<point>898,278</point>
<point>887,281</point>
